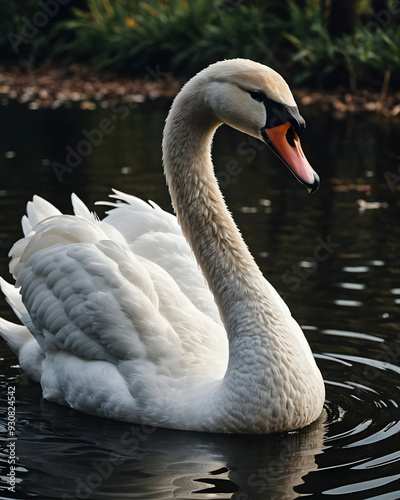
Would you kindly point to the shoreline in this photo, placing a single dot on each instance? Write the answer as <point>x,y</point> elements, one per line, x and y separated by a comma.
<point>81,86</point>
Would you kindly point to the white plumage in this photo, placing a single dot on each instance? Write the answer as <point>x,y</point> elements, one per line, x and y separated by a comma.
<point>119,320</point>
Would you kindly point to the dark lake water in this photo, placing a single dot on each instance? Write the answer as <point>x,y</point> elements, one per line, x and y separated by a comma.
<point>346,298</point>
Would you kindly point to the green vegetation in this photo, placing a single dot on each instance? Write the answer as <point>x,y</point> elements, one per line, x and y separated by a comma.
<point>319,43</point>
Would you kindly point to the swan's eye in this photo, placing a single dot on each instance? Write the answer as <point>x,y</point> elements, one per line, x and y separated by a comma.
<point>257,96</point>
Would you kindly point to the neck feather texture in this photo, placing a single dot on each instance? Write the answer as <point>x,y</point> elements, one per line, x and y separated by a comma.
<point>227,264</point>
<point>271,380</point>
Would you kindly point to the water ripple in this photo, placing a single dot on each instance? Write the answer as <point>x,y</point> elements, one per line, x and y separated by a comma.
<point>362,486</point>
<point>391,458</point>
<point>355,335</point>
<point>352,286</point>
<point>356,269</point>
<point>348,303</point>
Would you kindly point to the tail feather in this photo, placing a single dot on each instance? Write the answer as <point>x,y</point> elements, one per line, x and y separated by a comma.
<point>81,210</point>
<point>37,210</point>
<point>22,342</point>
<point>16,336</point>
<point>14,299</point>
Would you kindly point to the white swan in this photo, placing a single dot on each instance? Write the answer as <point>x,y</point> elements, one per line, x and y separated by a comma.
<point>118,319</point>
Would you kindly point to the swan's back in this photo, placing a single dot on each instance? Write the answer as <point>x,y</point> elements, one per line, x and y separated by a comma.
<point>105,310</point>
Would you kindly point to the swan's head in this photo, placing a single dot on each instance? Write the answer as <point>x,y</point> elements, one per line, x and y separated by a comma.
<point>256,100</point>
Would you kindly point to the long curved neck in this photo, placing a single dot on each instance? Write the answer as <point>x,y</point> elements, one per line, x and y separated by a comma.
<point>227,264</point>
<point>271,379</point>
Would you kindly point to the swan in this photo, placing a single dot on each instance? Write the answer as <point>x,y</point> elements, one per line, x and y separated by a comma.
<point>167,321</point>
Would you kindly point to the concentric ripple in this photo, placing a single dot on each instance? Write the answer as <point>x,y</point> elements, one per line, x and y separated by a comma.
<point>362,457</point>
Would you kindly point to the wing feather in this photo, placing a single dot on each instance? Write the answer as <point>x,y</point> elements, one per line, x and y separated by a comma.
<point>114,292</point>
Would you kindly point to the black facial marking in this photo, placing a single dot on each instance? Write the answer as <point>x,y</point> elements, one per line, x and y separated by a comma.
<point>279,113</point>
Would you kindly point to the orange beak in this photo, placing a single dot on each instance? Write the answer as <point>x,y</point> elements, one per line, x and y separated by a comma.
<point>285,142</point>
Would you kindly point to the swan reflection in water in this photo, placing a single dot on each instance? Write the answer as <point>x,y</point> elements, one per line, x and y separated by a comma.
<point>81,456</point>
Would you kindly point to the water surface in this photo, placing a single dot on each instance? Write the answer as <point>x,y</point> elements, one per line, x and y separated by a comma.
<point>332,255</point>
